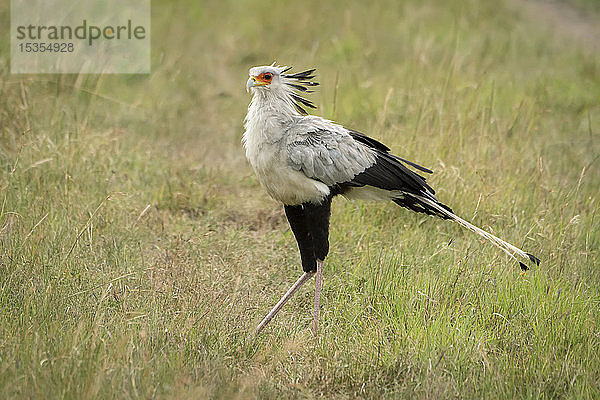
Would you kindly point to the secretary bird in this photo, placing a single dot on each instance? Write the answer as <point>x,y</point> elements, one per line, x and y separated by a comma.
<point>303,161</point>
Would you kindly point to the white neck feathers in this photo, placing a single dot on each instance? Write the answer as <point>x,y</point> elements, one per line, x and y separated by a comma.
<point>268,113</point>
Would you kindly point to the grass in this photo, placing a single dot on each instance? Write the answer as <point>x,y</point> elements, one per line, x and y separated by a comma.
<point>138,251</point>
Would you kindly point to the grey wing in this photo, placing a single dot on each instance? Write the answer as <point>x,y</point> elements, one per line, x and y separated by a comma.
<point>327,153</point>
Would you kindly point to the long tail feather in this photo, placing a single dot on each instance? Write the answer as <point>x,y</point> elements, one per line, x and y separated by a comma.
<point>508,248</point>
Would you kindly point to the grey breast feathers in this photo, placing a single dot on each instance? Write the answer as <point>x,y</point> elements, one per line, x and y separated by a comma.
<point>326,151</point>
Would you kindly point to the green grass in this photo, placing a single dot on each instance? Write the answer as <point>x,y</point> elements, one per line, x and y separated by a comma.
<point>138,252</point>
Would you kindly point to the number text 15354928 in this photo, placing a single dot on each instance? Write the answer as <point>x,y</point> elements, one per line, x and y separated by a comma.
<point>42,47</point>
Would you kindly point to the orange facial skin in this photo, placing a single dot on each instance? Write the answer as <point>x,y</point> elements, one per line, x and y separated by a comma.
<point>263,79</point>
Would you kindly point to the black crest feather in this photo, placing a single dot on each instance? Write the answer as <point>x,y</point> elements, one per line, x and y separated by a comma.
<point>301,81</point>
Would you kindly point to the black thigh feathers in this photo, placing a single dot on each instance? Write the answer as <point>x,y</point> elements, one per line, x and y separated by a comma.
<point>310,225</point>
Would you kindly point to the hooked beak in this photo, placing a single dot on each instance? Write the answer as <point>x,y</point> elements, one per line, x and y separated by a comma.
<point>250,83</point>
<point>253,82</point>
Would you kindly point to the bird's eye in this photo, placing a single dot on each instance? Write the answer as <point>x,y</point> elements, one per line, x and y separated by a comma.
<point>268,77</point>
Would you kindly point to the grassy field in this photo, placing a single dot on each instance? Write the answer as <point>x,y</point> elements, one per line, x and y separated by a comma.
<point>138,251</point>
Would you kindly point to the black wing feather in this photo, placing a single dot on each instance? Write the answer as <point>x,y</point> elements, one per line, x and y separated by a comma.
<point>361,137</point>
<point>369,141</point>
<point>389,173</point>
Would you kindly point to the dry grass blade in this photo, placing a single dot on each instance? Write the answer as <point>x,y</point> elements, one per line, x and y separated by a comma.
<point>82,230</point>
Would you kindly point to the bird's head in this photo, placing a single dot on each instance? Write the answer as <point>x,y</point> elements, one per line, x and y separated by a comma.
<point>266,77</point>
<point>273,78</point>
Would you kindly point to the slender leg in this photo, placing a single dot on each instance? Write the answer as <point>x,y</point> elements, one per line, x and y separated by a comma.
<point>318,286</point>
<point>306,276</point>
<point>310,225</point>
